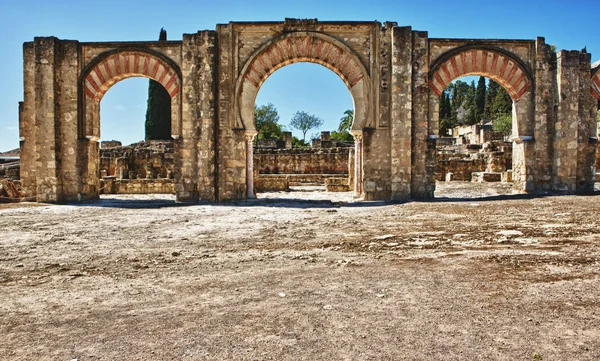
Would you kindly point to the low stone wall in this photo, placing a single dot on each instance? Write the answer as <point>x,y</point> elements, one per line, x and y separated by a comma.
<point>10,170</point>
<point>136,186</point>
<point>337,184</point>
<point>282,182</point>
<point>459,169</point>
<point>150,159</point>
<point>301,161</point>
<point>272,183</point>
<point>486,177</point>
<point>459,162</point>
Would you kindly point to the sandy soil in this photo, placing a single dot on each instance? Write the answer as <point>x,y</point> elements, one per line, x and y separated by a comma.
<point>473,275</point>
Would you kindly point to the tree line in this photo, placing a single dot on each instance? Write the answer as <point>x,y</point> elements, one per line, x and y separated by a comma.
<point>467,104</point>
<point>268,126</point>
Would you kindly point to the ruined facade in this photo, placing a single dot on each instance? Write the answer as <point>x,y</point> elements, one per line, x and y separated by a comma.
<point>394,74</point>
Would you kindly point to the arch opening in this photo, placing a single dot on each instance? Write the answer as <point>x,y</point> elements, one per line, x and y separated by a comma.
<point>302,47</point>
<point>280,157</point>
<point>126,169</point>
<point>126,160</point>
<point>478,139</point>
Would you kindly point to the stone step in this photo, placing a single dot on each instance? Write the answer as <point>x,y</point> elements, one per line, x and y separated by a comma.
<point>486,177</point>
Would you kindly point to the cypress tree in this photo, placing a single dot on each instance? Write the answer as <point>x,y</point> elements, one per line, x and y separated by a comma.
<point>158,113</point>
<point>471,105</point>
<point>502,104</point>
<point>443,117</point>
<point>454,105</point>
<point>443,109</point>
<point>490,95</point>
<point>480,98</point>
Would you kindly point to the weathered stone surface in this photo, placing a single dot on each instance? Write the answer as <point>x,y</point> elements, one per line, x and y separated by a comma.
<point>337,184</point>
<point>302,161</point>
<point>272,183</point>
<point>486,177</point>
<point>8,189</point>
<point>136,186</point>
<point>136,160</point>
<point>394,74</point>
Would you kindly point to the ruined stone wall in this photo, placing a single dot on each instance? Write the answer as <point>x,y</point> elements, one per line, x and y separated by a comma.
<point>231,152</point>
<point>49,128</point>
<point>598,159</point>
<point>151,159</point>
<point>136,186</point>
<point>195,151</point>
<point>301,161</point>
<point>573,151</point>
<point>461,160</point>
<point>375,157</point>
<point>394,75</point>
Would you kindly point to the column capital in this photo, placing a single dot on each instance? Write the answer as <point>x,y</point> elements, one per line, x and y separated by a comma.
<point>250,136</point>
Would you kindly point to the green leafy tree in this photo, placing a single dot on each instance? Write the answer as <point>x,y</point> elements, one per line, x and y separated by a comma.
<point>502,103</point>
<point>462,96</point>
<point>158,113</point>
<point>304,122</point>
<point>299,143</point>
<point>346,121</point>
<point>343,132</point>
<point>267,122</point>
<point>503,124</point>
<point>344,136</point>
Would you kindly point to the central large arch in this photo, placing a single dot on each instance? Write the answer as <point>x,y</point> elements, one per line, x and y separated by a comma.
<point>302,47</point>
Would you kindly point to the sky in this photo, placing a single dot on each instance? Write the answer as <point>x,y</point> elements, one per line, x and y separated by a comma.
<point>568,24</point>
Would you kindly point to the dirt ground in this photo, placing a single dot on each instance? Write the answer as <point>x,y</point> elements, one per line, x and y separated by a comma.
<point>473,275</point>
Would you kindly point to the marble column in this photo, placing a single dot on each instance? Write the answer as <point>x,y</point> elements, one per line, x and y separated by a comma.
<point>250,165</point>
<point>358,165</point>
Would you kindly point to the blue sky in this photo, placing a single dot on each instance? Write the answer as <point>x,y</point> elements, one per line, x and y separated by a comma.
<point>309,87</point>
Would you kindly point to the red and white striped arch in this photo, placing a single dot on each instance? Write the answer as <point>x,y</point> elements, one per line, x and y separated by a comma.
<point>314,49</point>
<point>302,47</point>
<point>129,64</point>
<point>494,65</point>
<point>596,84</point>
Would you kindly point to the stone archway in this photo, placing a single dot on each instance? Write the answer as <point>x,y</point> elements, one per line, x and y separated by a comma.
<point>302,47</point>
<point>99,76</point>
<point>513,75</point>
<point>394,74</point>
<point>108,69</point>
<point>495,64</point>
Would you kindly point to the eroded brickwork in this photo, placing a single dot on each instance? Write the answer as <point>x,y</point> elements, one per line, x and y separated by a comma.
<point>301,161</point>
